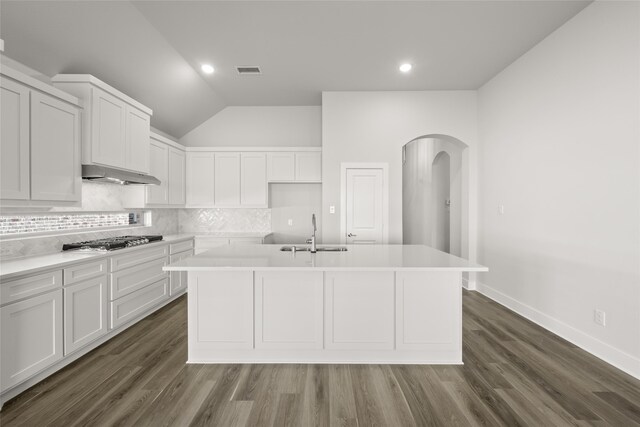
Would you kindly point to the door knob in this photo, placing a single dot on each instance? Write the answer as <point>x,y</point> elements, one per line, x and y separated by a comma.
<point>352,235</point>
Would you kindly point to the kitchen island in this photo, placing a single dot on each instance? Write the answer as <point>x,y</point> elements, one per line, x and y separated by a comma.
<point>368,304</point>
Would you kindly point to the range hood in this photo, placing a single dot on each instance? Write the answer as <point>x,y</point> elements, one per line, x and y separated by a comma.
<point>95,173</point>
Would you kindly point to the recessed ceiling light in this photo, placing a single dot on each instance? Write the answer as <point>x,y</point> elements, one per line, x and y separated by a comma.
<point>207,69</point>
<point>405,68</point>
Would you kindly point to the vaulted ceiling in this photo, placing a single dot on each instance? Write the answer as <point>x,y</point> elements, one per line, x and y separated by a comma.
<point>153,50</point>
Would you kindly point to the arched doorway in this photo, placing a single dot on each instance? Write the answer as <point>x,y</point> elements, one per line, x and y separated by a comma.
<point>435,193</point>
<point>441,202</point>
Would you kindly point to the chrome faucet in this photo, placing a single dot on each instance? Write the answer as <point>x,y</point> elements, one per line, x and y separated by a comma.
<point>312,240</point>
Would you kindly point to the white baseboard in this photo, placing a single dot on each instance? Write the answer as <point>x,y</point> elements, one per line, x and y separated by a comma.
<point>468,284</point>
<point>621,360</point>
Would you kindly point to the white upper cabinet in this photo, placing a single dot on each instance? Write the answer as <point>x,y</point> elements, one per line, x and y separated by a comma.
<point>176,177</point>
<point>200,178</point>
<point>281,166</point>
<point>227,180</point>
<point>253,180</point>
<point>158,163</point>
<point>55,149</point>
<point>167,163</point>
<point>39,143</point>
<point>309,166</point>
<point>116,127</point>
<point>294,166</point>
<point>138,129</point>
<point>108,123</point>
<point>14,140</point>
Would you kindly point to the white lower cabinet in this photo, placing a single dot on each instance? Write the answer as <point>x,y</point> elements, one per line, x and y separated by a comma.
<point>31,337</point>
<point>85,312</point>
<point>178,280</point>
<point>126,281</point>
<point>354,322</point>
<point>48,316</point>
<point>137,303</point>
<point>289,310</point>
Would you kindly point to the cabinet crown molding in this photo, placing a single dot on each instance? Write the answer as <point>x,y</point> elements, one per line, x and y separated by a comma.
<point>39,85</point>
<point>92,80</point>
<point>248,149</point>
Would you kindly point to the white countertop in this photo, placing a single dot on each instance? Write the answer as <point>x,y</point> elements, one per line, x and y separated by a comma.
<point>30,265</point>
<point>357,257</point>
<point>233,234</point>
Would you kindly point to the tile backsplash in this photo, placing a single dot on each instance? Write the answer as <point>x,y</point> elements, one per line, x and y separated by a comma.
<point>164,221</point>
<point>208,220</point>
<point>37,223</point>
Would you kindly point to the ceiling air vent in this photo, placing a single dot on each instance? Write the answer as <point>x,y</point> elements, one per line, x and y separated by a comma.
<point>248,69</point>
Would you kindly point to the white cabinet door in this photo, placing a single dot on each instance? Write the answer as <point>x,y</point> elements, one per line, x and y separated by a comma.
<point>179,278</point>
<point>289,310</point>
<point>222,304</point>
<point>14,140</point>
<point>158,167</point>
<point>359,310</point>
<point>309,167</point>
<point>200,179</point>
<point>138,128</point>
<point>108,124</point>
<point>55,149</point>
<point>227,180</point>
<point>31,338</point>
<point>254,189</point>
<point>85,313</point>
<point>428,315</point>
<point>281,167</point>
<point>176,179</point>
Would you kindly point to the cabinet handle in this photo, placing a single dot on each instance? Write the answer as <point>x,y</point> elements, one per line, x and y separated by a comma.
<point>352,235</point>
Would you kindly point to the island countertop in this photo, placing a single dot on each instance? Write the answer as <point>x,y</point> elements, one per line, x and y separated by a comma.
<point>357,257</point>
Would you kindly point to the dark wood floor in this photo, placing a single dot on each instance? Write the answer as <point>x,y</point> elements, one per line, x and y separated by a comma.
<point>515,373</point>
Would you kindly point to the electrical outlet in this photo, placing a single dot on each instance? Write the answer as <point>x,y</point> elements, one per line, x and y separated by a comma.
<point>501,209</point>
<point>289,222</point>
<point>600,317</point>
<point>332,209</point>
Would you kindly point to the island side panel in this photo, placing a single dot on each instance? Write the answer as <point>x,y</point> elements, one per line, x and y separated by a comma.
<point>220,312</point>
<point>359,310</point>
<point>268,316</point>
<point>429,313</point>
<point>289,310</point>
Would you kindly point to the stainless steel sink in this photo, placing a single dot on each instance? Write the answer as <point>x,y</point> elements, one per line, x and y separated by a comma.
<point>307,249</point>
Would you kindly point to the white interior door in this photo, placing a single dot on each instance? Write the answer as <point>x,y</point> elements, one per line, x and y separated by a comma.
<point>365,206</point>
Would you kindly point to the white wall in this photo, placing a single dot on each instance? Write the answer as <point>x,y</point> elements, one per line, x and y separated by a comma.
<point>295,202</point>
<point>560,136</point>
<point>258,127</point>
<point>373,127</point>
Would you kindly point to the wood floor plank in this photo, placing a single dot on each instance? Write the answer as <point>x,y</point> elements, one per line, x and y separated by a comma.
<point>515,373</point>
<point>341,396</point>
<point>316,396</point>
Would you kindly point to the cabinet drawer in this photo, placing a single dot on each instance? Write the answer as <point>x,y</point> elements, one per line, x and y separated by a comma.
<point>174,248</point>
<point>137,303</point>
<point>84,271</point>
<point>29,286</point>
<point>127,281</point>
<point>130,259</point>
